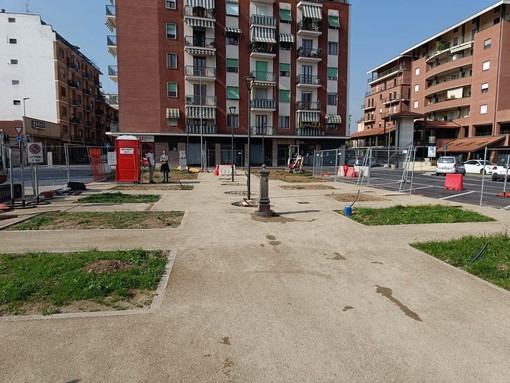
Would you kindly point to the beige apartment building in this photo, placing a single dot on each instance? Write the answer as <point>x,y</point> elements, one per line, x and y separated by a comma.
<point>456,86</point>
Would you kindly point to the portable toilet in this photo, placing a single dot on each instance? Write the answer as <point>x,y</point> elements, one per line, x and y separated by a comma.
<point>128,159</point>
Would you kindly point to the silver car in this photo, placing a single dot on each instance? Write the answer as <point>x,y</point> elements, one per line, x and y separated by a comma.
<point>449,165</point>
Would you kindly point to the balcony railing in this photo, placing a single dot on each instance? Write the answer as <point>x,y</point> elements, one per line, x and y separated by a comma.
<point>191,70</point>
<point>262,130</point>
<point>199,41</point>
<point>308,105</point>
<point>263,20</point>
<point>312,53</point>
<point>260,103</point>
<point>309,132</point>
<point>201,101</point>
<point>308,79</point>
<point>110,10</point>
<point>73,83</point>
<point>264,76</point>
<point>75,102</point>
<point>112,70</point>
<point>262,48</point>
<point>73,65</point>
<point>307,25</point>
<point>199,12</point>
<point>75,120</point>
<point>197,129</point>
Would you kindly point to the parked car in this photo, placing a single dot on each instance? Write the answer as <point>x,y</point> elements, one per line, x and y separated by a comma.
<point>500,171</point>
<point>479,166</point>
<point>358,161</point>
<point>449,165</point>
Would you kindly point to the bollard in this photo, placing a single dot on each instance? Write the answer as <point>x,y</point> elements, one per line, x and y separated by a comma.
<point>264,203</point>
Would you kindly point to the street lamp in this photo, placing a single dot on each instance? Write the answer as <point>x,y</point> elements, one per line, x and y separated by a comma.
<point>22,166</point>
<point>232,110</point>
<point>249,84</point>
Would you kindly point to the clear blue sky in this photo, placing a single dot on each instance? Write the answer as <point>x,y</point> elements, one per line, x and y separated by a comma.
<point>380,30</point>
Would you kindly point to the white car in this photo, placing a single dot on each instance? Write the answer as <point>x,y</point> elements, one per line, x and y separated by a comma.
<point>479,166</point>
<point>449,165</point>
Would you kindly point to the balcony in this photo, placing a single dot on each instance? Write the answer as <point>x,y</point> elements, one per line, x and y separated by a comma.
<point>264,78</point>
<point>75,102</point>
<point>394,99</point>
<point>72,65</point>
<point>308,105</point>
<point>197,129</point>
<point>199,73</point>
<point>309,55</point>
<point>262,130</point>
<point>199,42</point>
<point>367,107</point>
<point>111,42</point>
<point>88,91</point>
<point>260,103</point>
<point>89,124</point>
<point>309,27</point>
<point>309,132</point>
<point>263,50</point>
<point>73,83</point>
<point>201,101</point>
<point>111,17</point>
<point>267,21</point>
<point>112,73</point>
<point>200,12</point>
<point>74,120</point>
<point>305,80</point>
<point>77,139</point>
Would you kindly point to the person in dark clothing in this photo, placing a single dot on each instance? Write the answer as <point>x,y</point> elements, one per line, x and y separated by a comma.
<point>165,169</point>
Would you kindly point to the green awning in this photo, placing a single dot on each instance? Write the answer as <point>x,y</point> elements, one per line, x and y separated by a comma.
<point>285,15</point>
<point>232,93</point>
<point>232,63</point>
<point>332,73</point>
<point>334,21</point>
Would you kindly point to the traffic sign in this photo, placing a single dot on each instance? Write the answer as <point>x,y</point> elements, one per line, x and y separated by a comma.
<point>35,153</point>
<point>19,138</point>
<point>19,130</point>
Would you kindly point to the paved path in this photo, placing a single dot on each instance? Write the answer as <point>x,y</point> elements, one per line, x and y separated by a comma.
<point>309,297</point>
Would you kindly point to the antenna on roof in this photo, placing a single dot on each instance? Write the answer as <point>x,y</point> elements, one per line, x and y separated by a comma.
<point>27,6</point>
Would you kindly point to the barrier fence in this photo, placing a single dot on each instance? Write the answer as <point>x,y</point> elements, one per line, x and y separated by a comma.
<point>495,188</point>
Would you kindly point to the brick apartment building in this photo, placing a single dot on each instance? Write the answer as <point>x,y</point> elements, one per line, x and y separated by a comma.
<point>47,81</point>
<point>181,68</point>
<point>456,84</point>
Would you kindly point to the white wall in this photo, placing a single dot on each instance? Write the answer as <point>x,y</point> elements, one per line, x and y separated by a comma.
<point>35,70</point>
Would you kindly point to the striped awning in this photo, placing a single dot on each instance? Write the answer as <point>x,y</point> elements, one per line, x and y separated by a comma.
<point>333,119</point>
<point>200,23</point>
<point>312,12</point>
<point>284,38</point>
<point>263,35</point>
<point>201,112</point>
<point>172,113</point>
<point>310,116</point>
<point>207,4</point>
<point>233,30</point>
<point>198,51</point>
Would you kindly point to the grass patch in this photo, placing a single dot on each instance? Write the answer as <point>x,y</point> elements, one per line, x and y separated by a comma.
<point>119,197</point>
<point>50,281</point>
<point>408,215</point>
<point>102,220</point>
<point>174,175</point>
<point>493,264</point>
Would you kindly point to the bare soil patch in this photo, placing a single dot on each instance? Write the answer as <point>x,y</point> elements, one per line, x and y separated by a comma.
<point>101,266</point>
<point>292,177</point>
<point>350,197</point>
<point>153,187</point>
<point>307,187</point>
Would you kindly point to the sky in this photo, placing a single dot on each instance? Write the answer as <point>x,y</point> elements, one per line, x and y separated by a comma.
<point>379,31</point>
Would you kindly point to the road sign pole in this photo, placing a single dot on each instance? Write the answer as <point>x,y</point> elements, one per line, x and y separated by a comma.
<point>23,202</point>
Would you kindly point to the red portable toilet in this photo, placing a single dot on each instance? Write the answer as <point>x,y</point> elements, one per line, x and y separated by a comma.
<point>128,159</point>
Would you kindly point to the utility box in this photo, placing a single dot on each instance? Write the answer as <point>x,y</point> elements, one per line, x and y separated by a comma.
<point>128,150</point>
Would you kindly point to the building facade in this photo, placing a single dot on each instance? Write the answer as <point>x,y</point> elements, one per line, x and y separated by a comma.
<point>50,84</point>
<point>181,69</point>
<point>458,79</point>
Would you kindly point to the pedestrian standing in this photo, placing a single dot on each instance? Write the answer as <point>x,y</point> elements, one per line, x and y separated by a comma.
<point>152,164</point>
<point>165,169</point>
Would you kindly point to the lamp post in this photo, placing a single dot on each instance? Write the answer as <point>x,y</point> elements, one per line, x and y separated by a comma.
<point>249,84</point>
<point>201,123</point>
<point>264,126</point>
<point>21,147</point>
<point>232,110</point>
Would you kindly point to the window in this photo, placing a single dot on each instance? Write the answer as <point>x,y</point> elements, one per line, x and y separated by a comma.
<point>173,122</point>
<point>232,93</point>
<point>334,22</point>
<point>417,88</point>
<point>232,9</point>
<point>14,61</point>
<point>171,89</point>
<point>331,126</point>
<point>171,60</point>
<point>16,102</point>
<point>332,99</point>
<point>285,16</point>
<point>232,39</point>
<point>63,111</point>
<point>233,65</point>
<point>171,31</point>
<point>170,4</point>
<point>487,44</point>
<point>12,20</point>
<point>332,73</point>
<point>455,41</point>
<point>284,95</point>
<point>63,91</point>
<point>486,65</point>
<point>284,70</point>
<point>332,48</point>
<point>232,120</point>
<point>483,109</point>
<point>284,122</point>
<point>61,53</point>
<point>485,87</point>
<point>15,82</point>
<point>416,105</point>
<point>13,41</point>
<point>417,71</point>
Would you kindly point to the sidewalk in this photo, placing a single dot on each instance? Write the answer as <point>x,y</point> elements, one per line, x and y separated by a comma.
<point>307,296</point>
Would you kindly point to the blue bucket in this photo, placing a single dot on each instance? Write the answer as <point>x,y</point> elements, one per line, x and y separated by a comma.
<point>347,211</point>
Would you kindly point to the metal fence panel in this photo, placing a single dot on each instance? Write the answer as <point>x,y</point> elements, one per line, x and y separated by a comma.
<point>495,186</point>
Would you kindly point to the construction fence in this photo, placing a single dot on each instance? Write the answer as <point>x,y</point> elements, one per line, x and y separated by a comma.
<point>495,188</point>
